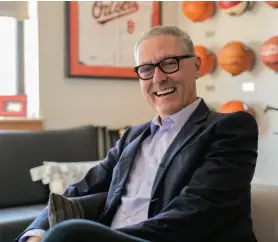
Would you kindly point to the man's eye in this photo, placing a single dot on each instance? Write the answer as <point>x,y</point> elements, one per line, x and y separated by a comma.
<point>145,69</point>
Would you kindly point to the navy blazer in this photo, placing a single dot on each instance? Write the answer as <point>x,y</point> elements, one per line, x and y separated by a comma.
<point>201,191</point>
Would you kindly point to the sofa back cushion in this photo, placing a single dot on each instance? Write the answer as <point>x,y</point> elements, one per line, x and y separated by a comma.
<point>265,212</point>
<point>22,150</point>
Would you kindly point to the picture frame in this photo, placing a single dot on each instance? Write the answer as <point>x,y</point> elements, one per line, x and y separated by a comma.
<point>13,106</point>
<point>97,59</point>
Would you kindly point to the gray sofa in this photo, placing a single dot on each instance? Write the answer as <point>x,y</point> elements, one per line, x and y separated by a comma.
<point>265,212</point>
<point>21,199</point>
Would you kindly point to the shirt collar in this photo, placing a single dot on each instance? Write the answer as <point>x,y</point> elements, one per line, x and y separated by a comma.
<point>176,120</point>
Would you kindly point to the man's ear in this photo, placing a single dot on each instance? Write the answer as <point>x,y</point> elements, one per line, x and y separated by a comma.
<point>197,66</point>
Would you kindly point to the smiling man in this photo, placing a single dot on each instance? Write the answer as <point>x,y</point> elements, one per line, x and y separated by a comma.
<point>183,176</point>
<point>171,86</point>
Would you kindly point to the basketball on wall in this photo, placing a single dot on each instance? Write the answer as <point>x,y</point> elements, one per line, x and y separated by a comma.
<point>273,4</point>
<point>233,7</point>
<point>208,59</point>
<point>235,58</point>
<point>269,53</point>
<point>198,10</point>
<point>235,106</point>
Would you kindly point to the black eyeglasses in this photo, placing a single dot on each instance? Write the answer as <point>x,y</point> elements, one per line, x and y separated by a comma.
<point>168,65</point>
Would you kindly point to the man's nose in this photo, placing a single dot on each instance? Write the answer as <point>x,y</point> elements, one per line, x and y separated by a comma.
<point>158,75</point>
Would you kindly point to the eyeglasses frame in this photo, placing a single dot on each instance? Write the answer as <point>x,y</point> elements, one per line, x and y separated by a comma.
<point>178,58</point>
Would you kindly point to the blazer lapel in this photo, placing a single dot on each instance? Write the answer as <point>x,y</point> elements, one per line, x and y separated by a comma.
<point>181,141</point>
<point>125,163</point>
<point>128,156</point>
<point>124,167</point>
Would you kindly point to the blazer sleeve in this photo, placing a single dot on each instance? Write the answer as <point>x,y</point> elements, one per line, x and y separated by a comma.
<point>96,180</point>
<point>218,188</point>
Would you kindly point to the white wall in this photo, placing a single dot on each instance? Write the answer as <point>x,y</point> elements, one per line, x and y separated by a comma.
<point>253,28</point>
<point>67,102</point>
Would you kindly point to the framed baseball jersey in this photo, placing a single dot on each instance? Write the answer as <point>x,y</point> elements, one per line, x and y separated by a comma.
<point>101,36</point>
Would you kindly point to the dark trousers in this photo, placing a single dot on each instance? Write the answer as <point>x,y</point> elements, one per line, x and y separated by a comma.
<point>79,230</point>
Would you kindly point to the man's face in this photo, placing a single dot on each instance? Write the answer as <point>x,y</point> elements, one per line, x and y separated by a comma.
<point>181,83</point>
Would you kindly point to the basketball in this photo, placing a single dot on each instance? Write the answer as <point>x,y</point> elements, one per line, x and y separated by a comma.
<point>233,7</point>
<point>273,4</point>
<point>235,106</point>
<point>208,60</point>
<point>269,53</point>
<point>197,11</point>
<point>235,58</point>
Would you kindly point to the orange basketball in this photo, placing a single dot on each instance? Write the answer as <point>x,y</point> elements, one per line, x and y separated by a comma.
<point>273,4</point>
<point>235,57</point>
<point>198,10</point>
<point>208,60</point>
<point>269,53</point>
<point>235,106</point>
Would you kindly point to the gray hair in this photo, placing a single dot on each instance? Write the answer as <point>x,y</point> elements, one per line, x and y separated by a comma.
<point>186,41</point>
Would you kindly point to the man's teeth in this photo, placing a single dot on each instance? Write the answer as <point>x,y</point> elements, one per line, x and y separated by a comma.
<point>169,90</point>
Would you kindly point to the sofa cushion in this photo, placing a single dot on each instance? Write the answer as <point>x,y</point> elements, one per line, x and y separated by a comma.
<point>22,150</point>
<point>14,220</point>
<point>265,212</point>
<point>61,208</point>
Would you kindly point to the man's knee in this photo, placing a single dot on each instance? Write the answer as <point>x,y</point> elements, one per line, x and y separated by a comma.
<point>73,225</point>
<point>66,230</point>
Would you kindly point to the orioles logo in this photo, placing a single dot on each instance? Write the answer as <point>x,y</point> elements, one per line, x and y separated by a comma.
<point>104,12</point>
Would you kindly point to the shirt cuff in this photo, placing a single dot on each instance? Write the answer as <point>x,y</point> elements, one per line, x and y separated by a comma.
<point>30,233</point>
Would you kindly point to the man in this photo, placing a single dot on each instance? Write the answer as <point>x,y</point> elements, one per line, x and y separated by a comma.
<point>184,176</point>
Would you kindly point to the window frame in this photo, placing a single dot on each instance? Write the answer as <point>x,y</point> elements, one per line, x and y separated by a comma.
<point>20,83</point>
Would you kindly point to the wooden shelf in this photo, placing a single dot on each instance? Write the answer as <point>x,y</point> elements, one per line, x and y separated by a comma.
<point>21,124</point>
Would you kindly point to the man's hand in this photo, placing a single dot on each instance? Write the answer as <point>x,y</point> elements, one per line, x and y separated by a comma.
<point>34,239</point>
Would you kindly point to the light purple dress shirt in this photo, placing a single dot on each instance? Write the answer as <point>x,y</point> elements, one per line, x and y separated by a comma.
<point>135,202</point>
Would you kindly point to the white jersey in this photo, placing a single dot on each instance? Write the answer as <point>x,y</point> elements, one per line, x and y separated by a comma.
<point>108,31</point>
